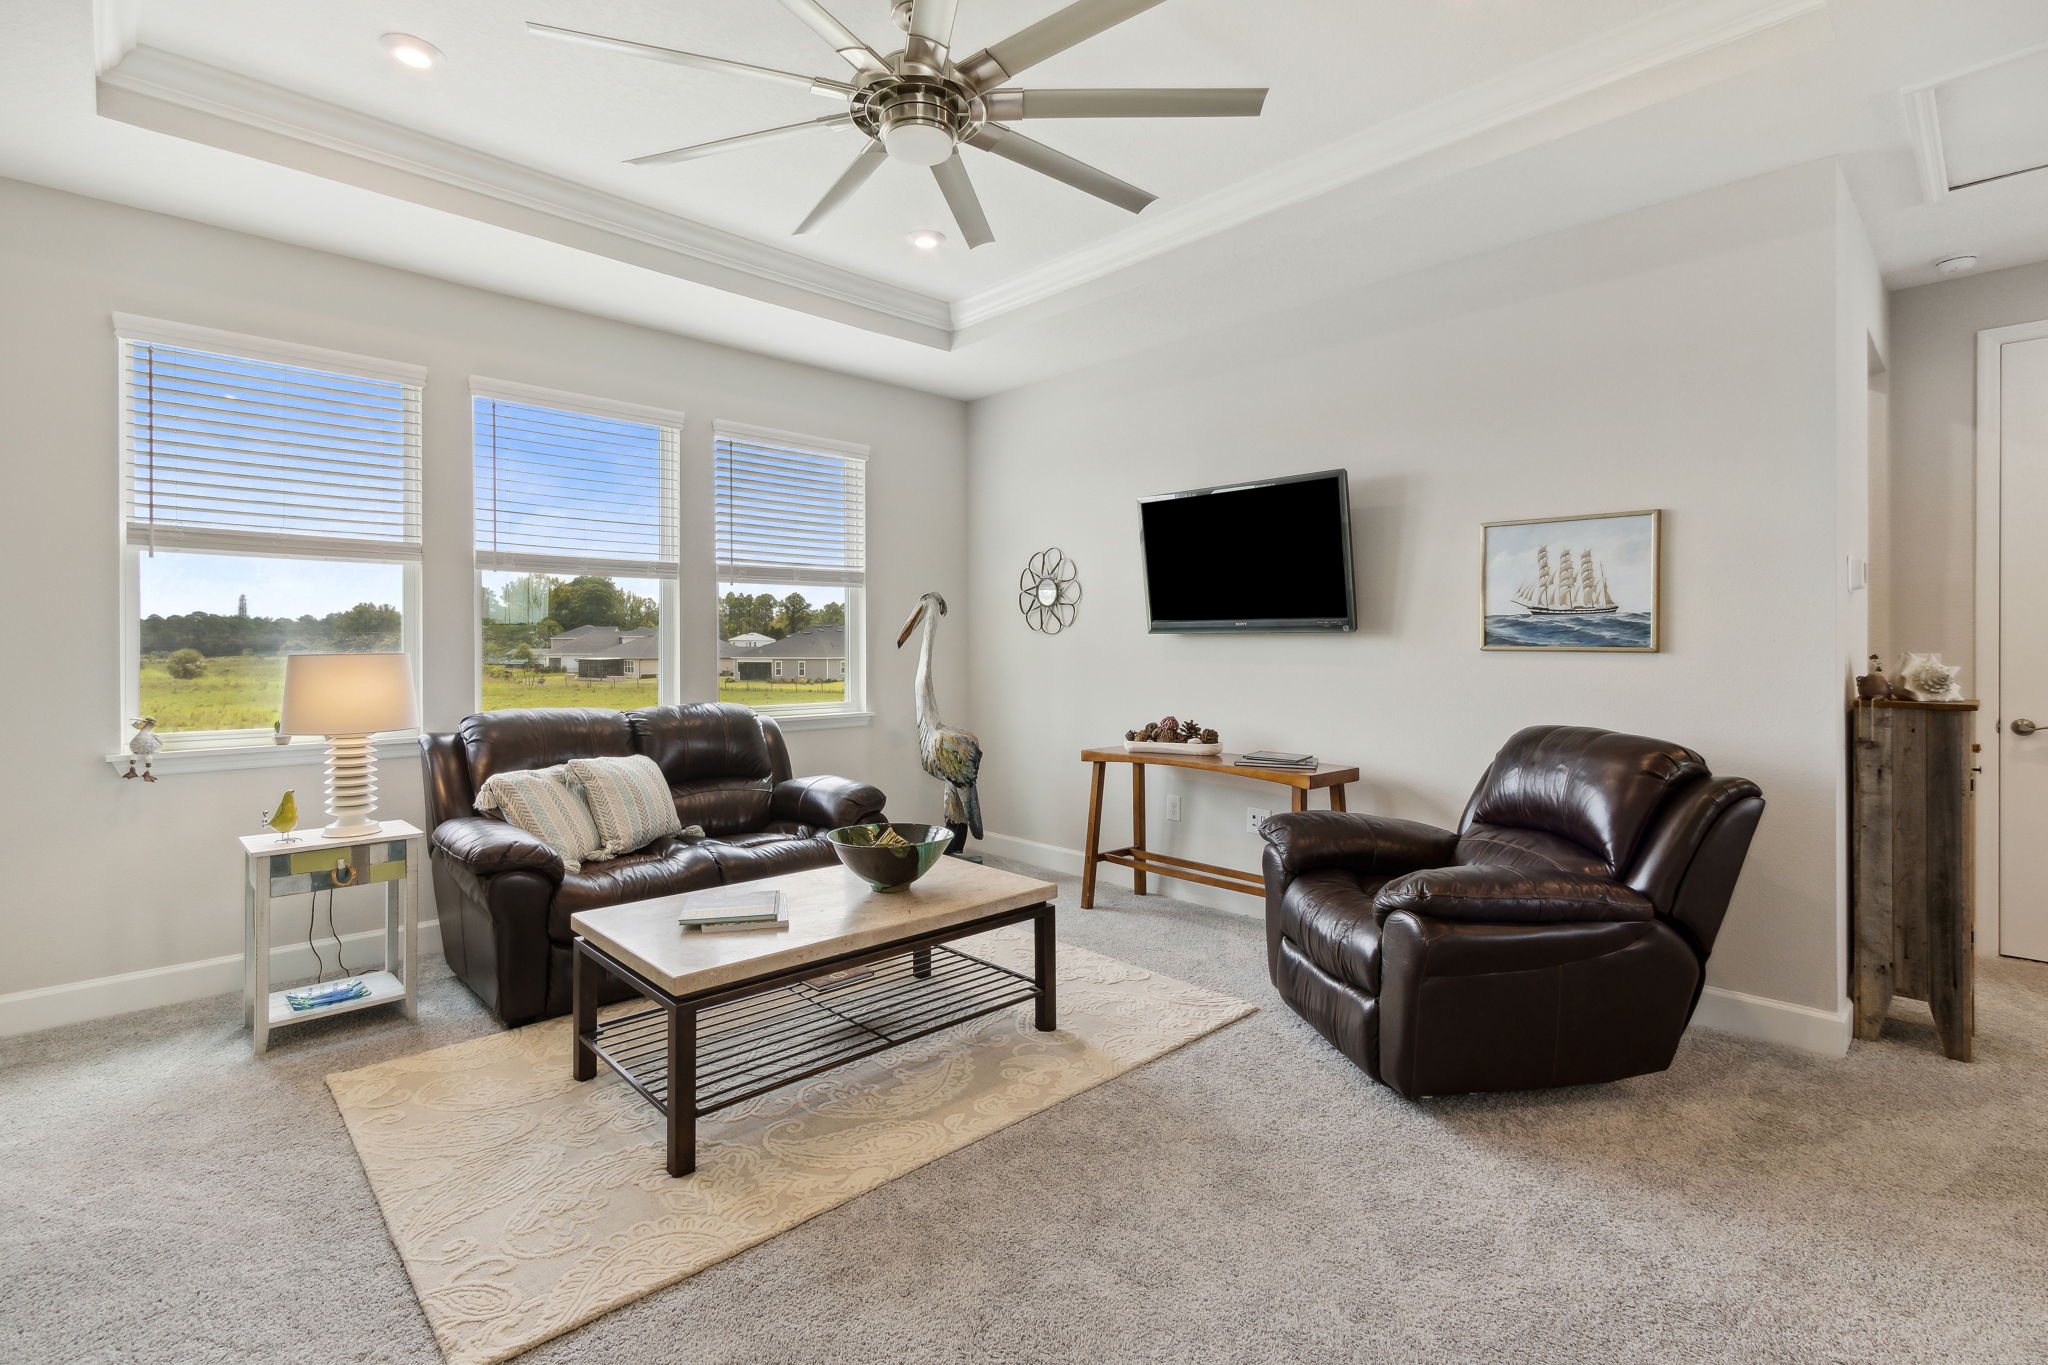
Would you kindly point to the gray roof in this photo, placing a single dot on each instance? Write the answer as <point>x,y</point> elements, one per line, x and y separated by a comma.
<point>609,635</point>
<point>816,642</point>
<point>634,646</point>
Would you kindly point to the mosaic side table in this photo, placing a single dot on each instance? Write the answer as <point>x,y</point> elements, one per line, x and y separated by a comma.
<point>309,864</point>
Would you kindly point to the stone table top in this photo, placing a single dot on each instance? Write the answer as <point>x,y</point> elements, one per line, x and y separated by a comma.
<point>830,911</point>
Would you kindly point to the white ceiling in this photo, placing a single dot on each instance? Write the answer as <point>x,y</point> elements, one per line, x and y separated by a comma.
<point>1400,134</point>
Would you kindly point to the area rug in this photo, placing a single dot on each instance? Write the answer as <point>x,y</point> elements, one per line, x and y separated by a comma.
<point>524,1204</point>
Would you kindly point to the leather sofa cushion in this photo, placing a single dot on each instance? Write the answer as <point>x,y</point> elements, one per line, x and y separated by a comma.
<point>724,805</point>
<point>749,857</point>
<point>667,867</point>
<point>1347,1016</point>
<point>704,741</point>
<point>1596,788</point>
<point>508,741</point>
<point>1328,914</point>
<point>1528,849</point>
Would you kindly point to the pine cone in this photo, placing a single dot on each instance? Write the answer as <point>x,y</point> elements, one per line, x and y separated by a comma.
<point>1130,734</point>
<point>1189,729</point>
<point>1209,737</point>
<point>1168,725</point>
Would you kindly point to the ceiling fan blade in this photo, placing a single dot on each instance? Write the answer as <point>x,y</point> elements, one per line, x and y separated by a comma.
<point>931,33</point>
<point>1050,36</point>
<point>1012,145</point>
<point>727,143</point>
<point>965,203</point>
<point>844,40</point>
<point>815,84</point>
<point>1005,105</point>
<point>856,175</point>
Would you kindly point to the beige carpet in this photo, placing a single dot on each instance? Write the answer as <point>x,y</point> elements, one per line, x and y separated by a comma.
<point>524,1204</point>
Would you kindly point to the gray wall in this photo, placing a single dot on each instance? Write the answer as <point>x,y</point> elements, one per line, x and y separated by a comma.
<point>118,877</point>
<point>1707,357</point>
<point>1931,575</point>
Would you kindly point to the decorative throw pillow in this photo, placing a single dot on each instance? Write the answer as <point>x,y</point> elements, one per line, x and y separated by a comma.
<point>629,799</point>
<point>547,805</point>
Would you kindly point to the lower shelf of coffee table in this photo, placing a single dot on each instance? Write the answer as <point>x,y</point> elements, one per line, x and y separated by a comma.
<point>755,1043</point>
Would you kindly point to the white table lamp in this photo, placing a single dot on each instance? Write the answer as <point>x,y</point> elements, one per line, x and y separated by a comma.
<point>348,698</point>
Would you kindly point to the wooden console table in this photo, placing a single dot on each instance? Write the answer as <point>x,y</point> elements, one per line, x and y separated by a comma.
<point>1136,858</point>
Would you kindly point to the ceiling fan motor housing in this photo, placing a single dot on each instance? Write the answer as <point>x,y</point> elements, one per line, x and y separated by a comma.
<point>918,119</point>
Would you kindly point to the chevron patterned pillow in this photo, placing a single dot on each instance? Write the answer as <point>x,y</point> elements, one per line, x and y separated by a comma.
<point>547,805</point>
<point>629,798</point>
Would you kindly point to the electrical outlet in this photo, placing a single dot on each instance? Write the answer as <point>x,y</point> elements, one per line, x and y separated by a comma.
<point>1173,808</point>
<point>1253,816</point>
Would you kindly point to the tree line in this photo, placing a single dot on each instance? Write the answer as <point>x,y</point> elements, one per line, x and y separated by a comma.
<point>741,613</point>
<point>364,627</point>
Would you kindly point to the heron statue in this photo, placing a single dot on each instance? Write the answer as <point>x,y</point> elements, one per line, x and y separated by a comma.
<point>947,752</point>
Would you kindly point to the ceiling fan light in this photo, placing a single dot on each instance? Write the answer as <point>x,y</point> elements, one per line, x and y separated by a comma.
<point>406,50</point>
<point>917,143</point>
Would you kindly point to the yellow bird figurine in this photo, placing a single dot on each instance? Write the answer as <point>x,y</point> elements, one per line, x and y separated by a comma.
<point>285,816</point>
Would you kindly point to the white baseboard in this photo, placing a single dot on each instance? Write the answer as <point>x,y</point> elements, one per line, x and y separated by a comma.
<point>77,1001</point>
<point>1775,1021</point>
<point>1750,1016</point>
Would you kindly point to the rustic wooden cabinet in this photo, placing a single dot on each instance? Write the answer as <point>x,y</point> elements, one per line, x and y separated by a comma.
<point>1912,906</point>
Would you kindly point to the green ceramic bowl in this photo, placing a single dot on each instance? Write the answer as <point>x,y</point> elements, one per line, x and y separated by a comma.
<point>889,867</point>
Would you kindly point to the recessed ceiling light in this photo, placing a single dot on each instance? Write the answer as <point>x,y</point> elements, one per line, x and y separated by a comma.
<point>1955,265</point>
<point>406,50</point>
<point>927,239</point>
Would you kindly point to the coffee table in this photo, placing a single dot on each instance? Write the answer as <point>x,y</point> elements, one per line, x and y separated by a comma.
<point>736,1014</point>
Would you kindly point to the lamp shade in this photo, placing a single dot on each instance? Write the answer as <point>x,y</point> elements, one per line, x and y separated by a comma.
<point>347,694</point>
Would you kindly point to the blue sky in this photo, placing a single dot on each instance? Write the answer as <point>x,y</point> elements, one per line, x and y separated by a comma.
<point>174,584</point>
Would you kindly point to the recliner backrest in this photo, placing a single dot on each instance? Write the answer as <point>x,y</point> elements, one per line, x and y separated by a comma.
<point>1596,788</point>
<point>717,760</point>
<point>511,741</point>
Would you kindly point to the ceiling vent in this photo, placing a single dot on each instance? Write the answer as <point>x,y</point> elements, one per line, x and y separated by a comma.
<point>1982,125</point>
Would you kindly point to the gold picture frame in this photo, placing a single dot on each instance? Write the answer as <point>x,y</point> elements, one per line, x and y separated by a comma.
<point>1541,593</point>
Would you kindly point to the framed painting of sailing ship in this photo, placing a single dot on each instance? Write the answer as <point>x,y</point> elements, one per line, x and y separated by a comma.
<point>1573,583</point>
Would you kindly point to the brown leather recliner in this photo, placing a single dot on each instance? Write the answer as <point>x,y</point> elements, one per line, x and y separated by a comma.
<point>504,898</point>
<point>1560,937</point>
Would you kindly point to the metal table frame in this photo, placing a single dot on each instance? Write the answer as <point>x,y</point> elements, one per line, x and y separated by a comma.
<point>695,1054</point>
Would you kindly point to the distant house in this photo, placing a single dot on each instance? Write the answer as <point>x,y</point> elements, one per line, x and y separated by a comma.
<point>603,652</point>
<point>818,653</point>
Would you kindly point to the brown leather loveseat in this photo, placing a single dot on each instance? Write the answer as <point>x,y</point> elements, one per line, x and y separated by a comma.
<point>504,898</point>
<point>1559,937</point>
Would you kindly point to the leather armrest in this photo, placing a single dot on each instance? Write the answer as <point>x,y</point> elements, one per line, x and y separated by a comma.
<point>1376,845</point>
<point>486,846</point>
<point>1484,893</point>
<point>825,802</point>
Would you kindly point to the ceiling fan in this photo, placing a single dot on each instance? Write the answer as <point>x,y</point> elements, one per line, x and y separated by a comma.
<point>921,106</point>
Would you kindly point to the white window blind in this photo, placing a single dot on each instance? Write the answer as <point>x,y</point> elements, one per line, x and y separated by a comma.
<point>565,491</point>
<point>791,509</point>
<point>230,453</point>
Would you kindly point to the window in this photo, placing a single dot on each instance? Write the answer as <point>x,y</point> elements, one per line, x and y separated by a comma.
<point>271,498</point>
<point>576,549</point>
<point>792,562</point>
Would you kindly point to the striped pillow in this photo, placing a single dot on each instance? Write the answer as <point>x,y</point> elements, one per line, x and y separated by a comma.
<point>629,799</point>
<point>544,803</point>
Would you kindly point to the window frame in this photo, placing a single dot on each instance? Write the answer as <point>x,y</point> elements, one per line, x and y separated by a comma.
<point>668,634</point>
<point>853,709</point>
<point>129,329</point>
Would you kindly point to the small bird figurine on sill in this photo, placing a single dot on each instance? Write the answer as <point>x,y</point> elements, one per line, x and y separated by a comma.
<point>285,817</point>
<point>144,746</point>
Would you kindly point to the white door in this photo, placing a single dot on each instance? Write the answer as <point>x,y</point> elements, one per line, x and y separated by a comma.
<point>2023,649</point>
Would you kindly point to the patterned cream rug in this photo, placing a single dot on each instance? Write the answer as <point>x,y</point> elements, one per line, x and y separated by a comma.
<point>525,1204</point>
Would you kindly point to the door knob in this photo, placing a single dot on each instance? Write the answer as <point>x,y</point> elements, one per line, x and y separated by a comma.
<point>2024,727</point>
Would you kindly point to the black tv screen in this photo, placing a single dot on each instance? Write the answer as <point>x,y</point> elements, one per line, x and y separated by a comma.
<point>1269,555</point>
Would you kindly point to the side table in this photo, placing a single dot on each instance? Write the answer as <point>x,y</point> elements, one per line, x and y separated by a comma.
<point>307,865</point>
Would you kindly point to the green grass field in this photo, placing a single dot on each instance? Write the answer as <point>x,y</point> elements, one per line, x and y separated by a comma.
<point>242,693</point>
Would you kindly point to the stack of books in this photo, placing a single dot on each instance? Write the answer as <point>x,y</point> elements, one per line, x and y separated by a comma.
<point>1269,758</point>
<point>730,909</point>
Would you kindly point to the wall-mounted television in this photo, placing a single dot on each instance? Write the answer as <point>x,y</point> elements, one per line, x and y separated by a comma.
<point>1272,554</point>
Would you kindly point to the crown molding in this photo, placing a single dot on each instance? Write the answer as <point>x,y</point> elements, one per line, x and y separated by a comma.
<point>114,25</point>
<point>1632,50</point>
<point>164,78</point>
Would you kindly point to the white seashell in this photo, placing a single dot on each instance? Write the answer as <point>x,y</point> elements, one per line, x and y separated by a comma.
<point>1926,678</point>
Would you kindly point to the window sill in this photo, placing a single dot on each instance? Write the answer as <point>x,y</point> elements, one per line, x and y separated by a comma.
<point>817,720</point>
<point>230,757</point>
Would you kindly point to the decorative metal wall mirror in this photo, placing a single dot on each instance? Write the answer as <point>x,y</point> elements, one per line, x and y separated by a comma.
<point>1047,591</point>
